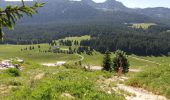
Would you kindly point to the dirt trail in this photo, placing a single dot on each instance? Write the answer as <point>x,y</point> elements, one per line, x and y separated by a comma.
<point>134,93</point>
<point>59,63</point>
<point>140,94</point>
<point>3,89</point>
<point>82,57</point>
<point>39,76</point>
<point>95,68</point>
<point>144,60</point>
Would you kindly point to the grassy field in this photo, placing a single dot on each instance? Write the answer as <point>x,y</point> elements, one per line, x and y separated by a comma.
<point>95,59</point>
<point>12,51</point>
<point>143,25</point>
<point>50,83</point>
<point>37,82</point>
<point>159,59</point>
<point>86,37</point>
<point>154,77</point>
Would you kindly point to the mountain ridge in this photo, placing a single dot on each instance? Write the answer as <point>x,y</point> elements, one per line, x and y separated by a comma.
<point>88,10</point>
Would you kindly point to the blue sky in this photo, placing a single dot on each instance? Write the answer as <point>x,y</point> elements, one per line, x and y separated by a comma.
<point>136,3</point>
<point>143,3</point>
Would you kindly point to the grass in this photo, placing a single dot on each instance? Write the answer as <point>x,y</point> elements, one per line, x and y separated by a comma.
<point>13,72</point>
<point>159,59</point>
<point>139,64</point>
<point>143,25</point>
<point>155,79</point>
<point>57,80</point>
<point>72,79</point>
<point>13,51</point>
<point>95,59</point>
<point>85,37</point>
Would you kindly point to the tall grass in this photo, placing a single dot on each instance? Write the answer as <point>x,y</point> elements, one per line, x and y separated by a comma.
<point>78,83</point>
<point>155,79</point>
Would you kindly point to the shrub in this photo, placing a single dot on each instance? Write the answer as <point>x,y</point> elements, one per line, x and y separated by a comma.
<point>13,72</point>
<point>155,79</point>
<point>14,83</point>
<point>121,61</point>
<point>107,61</point>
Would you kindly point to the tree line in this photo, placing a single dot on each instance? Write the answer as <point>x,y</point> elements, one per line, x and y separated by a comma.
<point>152,41</point>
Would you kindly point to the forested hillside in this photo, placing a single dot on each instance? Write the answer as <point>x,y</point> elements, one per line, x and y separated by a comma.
<point>152,41</point>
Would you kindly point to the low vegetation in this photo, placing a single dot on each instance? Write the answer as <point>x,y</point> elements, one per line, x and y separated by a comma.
<point>13,72</point>
<point>75,82</point>
<point>155,79</point>
<point>71,80</point>
<point>39,55</point>
<point>119,62</point>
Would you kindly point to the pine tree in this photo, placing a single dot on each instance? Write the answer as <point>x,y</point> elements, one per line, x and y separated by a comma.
<point>10,15</point>
<point>120,60</point>
<point>107,61</point>
<point>40,47</point>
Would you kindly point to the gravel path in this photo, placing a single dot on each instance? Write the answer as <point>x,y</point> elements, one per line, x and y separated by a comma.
<point>144,60</point>
<point>140,94</point>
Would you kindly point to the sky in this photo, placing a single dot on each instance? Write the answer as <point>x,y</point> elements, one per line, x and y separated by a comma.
<point>17,0</point>
<point>143,3</point>
<point>136,3</point>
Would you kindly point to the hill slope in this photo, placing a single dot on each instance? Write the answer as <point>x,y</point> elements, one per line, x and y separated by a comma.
<point>87,10</point>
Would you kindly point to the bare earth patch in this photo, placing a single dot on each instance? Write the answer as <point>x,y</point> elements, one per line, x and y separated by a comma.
<point>67,95</point>
<point>140,94</point>
<point>59,63</point>
<point>39,76</point>
<point>94,68</point>
<point>135,70</point>
<point>114,84</point>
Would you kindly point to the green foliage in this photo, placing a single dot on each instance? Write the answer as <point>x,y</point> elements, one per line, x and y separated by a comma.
<point>10,15</point>
<point>76,82</point>
<point>155,79</point>
<point>14,83</point>
<point>119,60</point>
<point>107,61</point>
<point>13,51</point>
<point>13,72</point>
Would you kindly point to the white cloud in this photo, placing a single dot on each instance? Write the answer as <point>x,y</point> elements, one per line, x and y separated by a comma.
<point>18,0</point>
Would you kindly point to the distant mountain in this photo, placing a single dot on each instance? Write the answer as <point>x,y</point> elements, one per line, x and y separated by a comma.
<point>158,12</point>
<point>87,10</point>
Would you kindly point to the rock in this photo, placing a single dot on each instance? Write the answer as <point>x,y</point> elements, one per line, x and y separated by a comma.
<point>67,95</point>
<point>39,76</point>
<point>109,92</point>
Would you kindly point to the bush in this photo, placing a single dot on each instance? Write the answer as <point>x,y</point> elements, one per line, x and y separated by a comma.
<point>107,62</point>
<point>13,72</point>
<point>120,60</point>
<point>14,83</point>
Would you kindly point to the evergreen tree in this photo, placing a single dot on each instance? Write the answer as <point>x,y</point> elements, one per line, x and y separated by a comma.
<point>10,15</point>
<point>107,61</point>
<point>30,48</point>
<point>39,46</point>
<point>120,60</point>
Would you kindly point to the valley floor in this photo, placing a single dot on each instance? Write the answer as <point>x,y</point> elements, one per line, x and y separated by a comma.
<point>148,77</point>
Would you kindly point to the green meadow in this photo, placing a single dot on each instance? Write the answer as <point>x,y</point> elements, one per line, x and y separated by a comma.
<point>143,25</point>
<point>50,83</point>
<point>13,51</point>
